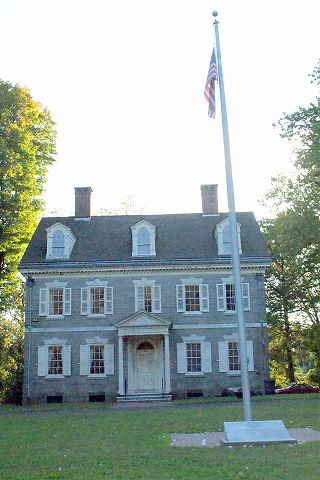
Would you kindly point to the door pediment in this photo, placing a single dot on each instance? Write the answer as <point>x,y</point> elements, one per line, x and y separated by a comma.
<point>143,322</point>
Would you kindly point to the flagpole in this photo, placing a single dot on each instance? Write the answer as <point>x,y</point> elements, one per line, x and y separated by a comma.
<point>234,237</point>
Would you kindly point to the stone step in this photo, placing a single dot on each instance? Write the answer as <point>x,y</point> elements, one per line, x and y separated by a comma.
<point>145,397</point>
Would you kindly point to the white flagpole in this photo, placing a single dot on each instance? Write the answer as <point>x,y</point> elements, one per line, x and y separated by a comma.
<point>234,238</point>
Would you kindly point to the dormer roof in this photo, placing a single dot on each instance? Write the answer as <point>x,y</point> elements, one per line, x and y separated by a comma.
<point>186,238</point>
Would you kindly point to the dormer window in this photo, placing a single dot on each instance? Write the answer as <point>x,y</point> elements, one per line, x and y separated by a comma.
<point>143,242</point>
<point>143,239</point>
<point>58,244</point>
<point>60,241</point>
<point>223,237</point>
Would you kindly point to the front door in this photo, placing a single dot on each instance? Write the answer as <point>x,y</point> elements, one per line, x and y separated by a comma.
<point>145,367</point>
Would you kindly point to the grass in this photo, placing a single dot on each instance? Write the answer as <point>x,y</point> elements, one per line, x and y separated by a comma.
<point>91,445</point>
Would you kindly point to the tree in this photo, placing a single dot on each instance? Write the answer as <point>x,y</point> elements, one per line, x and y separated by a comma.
<point>27,146</point>
<point>11,360</point>
<point>293,281</point>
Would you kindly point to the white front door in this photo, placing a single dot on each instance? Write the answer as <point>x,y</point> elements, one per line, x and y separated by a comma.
<point>145,370</point>
<point>146,367</point>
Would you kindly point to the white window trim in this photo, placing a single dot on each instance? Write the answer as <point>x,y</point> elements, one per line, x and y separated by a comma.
<point>44,300</point>
<point>224,355</point>
<point>43,359</point>
<point>152,232</point>
<point>155,294</point>
<point>69,242</point>
<point>218,234</point>
<point>181,297</point>
<point>86,298</point>
<point>245,297</point>
<point>206,356</point>
<point>85,358</point>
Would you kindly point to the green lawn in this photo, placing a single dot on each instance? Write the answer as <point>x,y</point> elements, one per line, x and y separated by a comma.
<point>91,445</point>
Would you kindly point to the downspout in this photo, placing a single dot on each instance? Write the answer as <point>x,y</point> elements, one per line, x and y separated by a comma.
<point>260,281</point>
<point>30,283</point>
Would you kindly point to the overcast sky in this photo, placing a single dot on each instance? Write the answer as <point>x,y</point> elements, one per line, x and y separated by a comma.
<point>124,82</point>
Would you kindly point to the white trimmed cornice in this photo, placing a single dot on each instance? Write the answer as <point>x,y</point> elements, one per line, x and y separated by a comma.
<point>140,270</point>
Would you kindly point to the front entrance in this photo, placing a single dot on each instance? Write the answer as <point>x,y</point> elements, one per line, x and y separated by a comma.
<point>145,365</point>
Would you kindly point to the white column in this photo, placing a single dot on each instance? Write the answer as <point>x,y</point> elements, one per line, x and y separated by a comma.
<point>120,364</point>
<point>167,363</point>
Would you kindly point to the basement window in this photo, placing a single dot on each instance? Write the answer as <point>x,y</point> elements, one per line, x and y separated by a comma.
<point>54,398</point>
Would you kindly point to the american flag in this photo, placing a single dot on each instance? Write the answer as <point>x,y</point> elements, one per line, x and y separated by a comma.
<point>209,90</point>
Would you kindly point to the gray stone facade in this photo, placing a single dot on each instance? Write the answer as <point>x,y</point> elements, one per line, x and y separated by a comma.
<point>76,354</point>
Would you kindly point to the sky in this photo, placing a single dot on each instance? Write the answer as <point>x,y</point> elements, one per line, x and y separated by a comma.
<point>124,83</point>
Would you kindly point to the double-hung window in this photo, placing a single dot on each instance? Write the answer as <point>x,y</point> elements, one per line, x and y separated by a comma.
<point>96,298</point>
<point>60,241</point>
<point>194,356</point>
<point>97,358</point>
<point>229,356</point>
<point>222,234</point>
<point>226,301</point>
<point>96,353</point>
<point>55,300</point>
<point>233,356</point>
<point>192,296</point>
<point>147,296</point>
<point>143,239</point>
<point>54,360</point>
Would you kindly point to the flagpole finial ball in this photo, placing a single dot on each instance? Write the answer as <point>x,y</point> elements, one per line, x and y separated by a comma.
<point>214,13</point>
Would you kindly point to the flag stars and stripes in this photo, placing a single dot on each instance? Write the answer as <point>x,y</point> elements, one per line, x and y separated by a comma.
<point>209,91</point>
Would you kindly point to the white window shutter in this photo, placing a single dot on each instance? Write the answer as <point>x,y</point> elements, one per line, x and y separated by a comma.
<point>84,301</point>
<point>246,296</point>
<point>221,297</point>
<point>108,300</point>
<point>139,297</point>
<point>223,357</point>
<point>67,301</point>
<point>249,346</point>
<point>204,297</point>
<point>84,360</point>
<point>43,302</point>
<point>109,359</point>
<point>157,299</point>
<point>181,358</point>
<point>66,360</point>
<point>42,361</point>
<point>206,357</point>
<point>180,298</point>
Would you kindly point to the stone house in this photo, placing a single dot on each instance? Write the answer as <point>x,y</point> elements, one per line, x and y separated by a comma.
<point>141,306</point>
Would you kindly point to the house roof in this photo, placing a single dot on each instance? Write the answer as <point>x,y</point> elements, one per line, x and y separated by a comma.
<point>179,237</point>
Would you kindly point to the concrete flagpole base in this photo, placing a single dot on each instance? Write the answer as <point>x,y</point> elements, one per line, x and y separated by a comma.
<point>256,433</point>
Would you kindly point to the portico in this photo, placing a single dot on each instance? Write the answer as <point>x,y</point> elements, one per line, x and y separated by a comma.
<point>143,354</point>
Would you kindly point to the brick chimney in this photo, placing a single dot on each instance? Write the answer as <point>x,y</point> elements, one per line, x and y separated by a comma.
<point>82,202</point>
<point>209,196</point>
